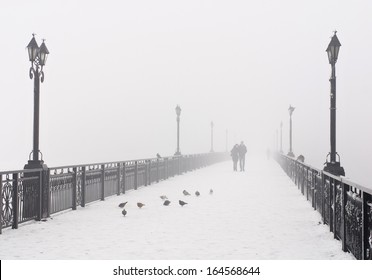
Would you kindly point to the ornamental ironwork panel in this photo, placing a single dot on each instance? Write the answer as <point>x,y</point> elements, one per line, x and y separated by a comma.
<point>161,170</point>
<point>154,170</point>
<point>129,175</point>
<point>318,192</point>
<point>7,202</point>
<point>354,224</point>
<point>369,219</point>
<point>111,181</point>
<point>93,185</point>
<point>141,172</point>
<point>310,182</point>
<point>29,187</point>
<point>327,203</point>
<point>60,191</point>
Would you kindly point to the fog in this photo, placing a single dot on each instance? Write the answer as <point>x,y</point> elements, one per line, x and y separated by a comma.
<point>117,70</point>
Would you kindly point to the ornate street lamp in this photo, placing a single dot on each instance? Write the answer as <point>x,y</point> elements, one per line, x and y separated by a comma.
<point>290,110</point>
<point>178,112</point>
<point>333,166</point>
<point>37,56</point>
<point>212,137</point>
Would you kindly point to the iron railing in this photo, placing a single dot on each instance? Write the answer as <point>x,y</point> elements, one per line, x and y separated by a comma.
<point>344,205</point>
<point>35,194</point>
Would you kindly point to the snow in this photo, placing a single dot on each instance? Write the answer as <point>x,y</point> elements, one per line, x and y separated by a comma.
<point>258,214</point>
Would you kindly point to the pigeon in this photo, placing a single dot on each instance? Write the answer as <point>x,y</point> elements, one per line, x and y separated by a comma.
<point>163,197</point>
<point>121,205</point>
<point>124,212</point>
<point>140,205</point>
<point>166,203</point>
<point>197,193</point>
<point>182,203</point>
<point>185,192</point>
<point>210,191</point>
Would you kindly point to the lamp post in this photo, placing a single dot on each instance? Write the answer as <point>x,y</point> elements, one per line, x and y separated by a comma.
<point>333,166</point>
<point>290,110</point>
<point>37,56</point>
<point>178,112</point>
<point>212,137</point>
<point>281,137</point>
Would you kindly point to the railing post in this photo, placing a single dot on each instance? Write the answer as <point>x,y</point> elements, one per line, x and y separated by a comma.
<point>83,179</point>
<point>313,188</point>
<point>102,182</point>
<point>124,177</point>
<point>119,179</point>
<point>74,184</point>
<point>344,191</point>
<point>166,168</point>
<point>1,204</point>
<point>135,175</point>
<point>15,201</point>
<point>331,205</point>
<point>43,178</point>
<point>303,180</point>
<point>307,184</point>
<point>322,190</point>
<point>146,173</point>
<point>297,176</point>
<point>334,208</point>
<point>150,178</point>
<point>366,250</point>
<point>157,170</point>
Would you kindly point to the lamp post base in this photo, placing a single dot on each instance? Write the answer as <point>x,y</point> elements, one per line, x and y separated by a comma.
<point>35,164</point>
<point>290,154</point>
<point>31,187</point>
<point>334,168</point>
<point>177,153</point>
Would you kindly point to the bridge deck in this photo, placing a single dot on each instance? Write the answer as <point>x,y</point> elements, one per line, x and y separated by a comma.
<point>257,214</point>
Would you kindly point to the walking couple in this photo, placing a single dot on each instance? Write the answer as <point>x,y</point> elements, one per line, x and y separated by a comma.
<point>238,153</point>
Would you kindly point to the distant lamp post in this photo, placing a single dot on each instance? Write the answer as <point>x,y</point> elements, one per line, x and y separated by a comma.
<point>333,166</point>
<point>212,137</point>
<point>178,112</point>
<point>281,137</point>
<point>290,110</point>
<point>37,56</point>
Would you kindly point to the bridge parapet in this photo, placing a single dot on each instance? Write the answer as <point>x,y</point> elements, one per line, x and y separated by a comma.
<point>344,205</point>
<point>35,194</point>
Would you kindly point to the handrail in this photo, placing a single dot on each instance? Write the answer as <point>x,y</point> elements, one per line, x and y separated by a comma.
<point>37,193</point>
<point>344,205</point>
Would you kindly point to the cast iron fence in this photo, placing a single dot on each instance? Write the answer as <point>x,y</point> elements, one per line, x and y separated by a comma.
<point>35,194</point>
<point>344,205</point>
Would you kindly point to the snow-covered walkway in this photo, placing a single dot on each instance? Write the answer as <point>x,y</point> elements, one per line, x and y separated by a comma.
<point>257,214</point>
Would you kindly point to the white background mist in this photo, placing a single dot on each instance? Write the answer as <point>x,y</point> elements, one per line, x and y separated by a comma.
<point>117,70</point>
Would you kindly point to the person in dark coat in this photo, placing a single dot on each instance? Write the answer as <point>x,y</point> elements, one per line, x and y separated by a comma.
<point>235,156</point>
<point>242,150</point>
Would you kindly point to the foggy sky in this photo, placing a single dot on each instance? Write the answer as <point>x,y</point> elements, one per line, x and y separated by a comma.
<point>117,70</point>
